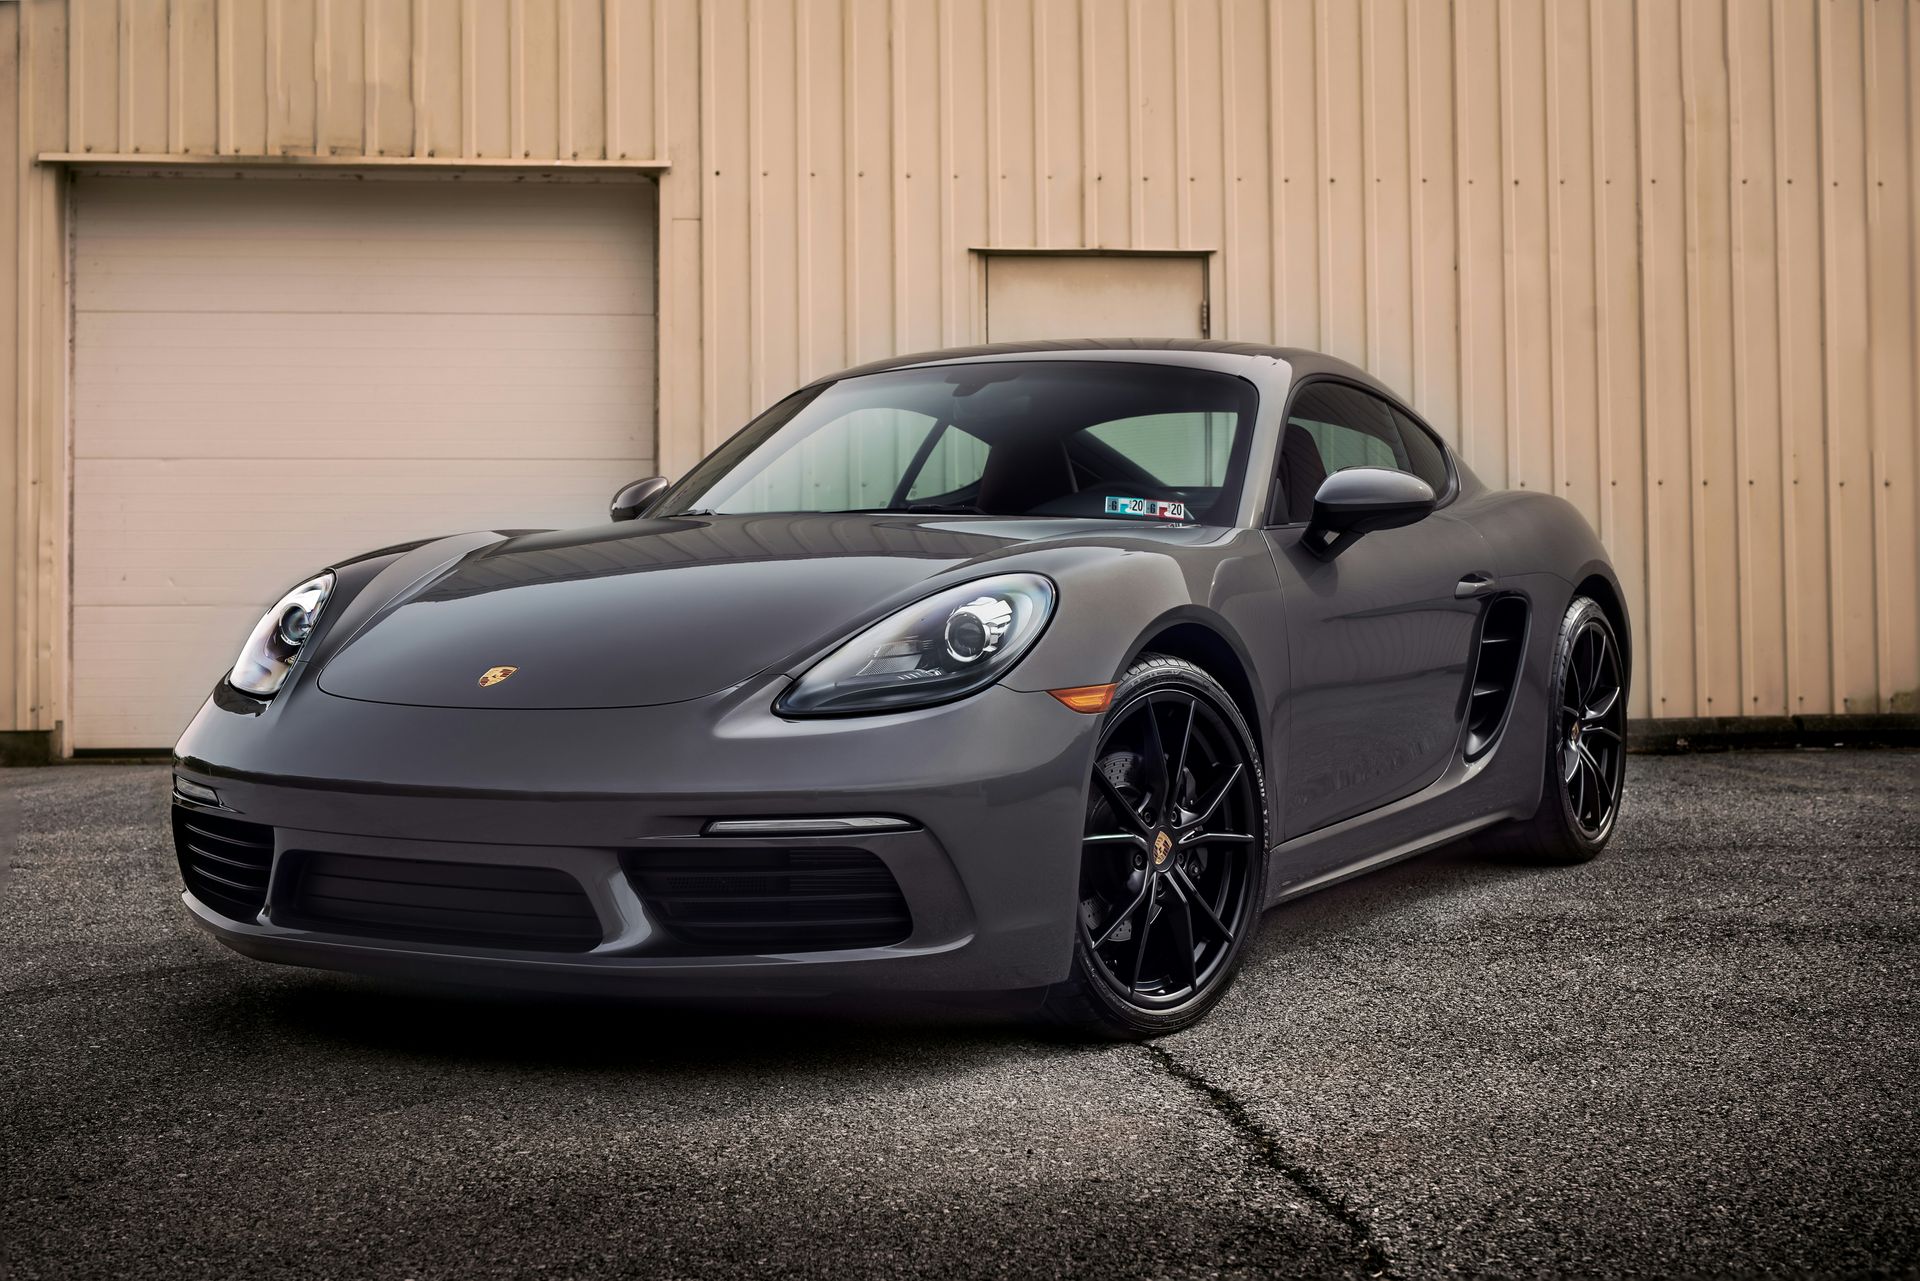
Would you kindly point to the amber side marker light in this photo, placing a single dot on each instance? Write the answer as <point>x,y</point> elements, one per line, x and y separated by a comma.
<point>1086,698</point>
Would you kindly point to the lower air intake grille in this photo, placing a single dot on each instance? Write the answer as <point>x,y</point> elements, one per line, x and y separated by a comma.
<point>536,909</point>
<point>739,901</point>
<point>225,862</point>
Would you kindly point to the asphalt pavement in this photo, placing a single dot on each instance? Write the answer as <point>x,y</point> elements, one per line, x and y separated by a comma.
<point>1697,1055</point>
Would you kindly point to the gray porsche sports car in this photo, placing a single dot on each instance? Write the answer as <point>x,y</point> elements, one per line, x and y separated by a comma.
<point>1040,668</point>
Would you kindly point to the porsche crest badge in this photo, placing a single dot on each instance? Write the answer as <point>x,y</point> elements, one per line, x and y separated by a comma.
<point>1162,845</point>
<point>494,675</point>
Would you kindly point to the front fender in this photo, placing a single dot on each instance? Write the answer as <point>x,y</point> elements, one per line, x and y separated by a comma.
<point>1114,608</point>
<point>1112,605</point>
<point>363,585</point>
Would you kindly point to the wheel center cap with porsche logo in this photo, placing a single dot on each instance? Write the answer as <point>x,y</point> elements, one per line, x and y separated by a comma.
<point>494,675</point>
<point>1162,847</point>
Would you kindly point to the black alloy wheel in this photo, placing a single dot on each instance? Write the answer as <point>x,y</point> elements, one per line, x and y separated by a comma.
<point>1173,857</point>
<point>1593,722</point>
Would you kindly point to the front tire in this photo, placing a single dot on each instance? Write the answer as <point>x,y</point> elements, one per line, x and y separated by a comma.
<point>1173,860</point>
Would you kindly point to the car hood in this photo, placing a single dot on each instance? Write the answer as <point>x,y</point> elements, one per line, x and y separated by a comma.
<point>651,612</point>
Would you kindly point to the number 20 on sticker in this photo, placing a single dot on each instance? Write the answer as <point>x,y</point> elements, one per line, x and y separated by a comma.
<point>1150,507</point>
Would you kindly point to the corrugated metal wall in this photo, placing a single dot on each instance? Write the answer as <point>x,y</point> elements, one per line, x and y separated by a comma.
<point>495,79</point>
<point>1658,256</point>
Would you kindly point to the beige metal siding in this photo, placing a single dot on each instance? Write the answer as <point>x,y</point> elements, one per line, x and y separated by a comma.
<point>1657,256</point>
<point>271,375</point>
<point>487,79</point>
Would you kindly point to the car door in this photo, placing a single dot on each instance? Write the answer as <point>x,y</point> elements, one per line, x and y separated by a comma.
<point>1381,635</point>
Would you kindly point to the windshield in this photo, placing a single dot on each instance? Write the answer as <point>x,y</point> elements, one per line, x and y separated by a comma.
<point>1027,438</point>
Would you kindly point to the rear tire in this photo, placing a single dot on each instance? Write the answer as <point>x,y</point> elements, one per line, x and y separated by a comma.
<point>1173,864</point>
<point>1586,747</point>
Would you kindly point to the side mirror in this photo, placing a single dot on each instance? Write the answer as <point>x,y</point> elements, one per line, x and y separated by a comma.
<point>1361,500</point>
<point>632,501</point>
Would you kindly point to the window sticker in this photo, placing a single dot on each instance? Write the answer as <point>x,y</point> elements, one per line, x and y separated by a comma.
<point>1152,507</point>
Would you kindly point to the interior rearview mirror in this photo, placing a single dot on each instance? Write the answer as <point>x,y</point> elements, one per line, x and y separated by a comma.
<point>1361,500</point>
<point>632,501</point>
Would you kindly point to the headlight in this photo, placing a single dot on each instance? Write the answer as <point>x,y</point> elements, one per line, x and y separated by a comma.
<point>268,655</point>
<point>939,649</point>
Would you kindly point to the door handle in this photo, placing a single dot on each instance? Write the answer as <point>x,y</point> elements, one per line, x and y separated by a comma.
<point>1475,584</point>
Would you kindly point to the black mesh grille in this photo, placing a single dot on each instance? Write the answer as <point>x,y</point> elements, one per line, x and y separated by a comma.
<point>525,908</point>
<point>738,901</point>
<point>225,862</point>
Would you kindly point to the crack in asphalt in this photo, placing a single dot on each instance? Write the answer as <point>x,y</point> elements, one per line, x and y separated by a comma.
<point>1275,1158</point>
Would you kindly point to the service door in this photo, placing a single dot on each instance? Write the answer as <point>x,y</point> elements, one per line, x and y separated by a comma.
<point>273,373</point>
<point>1032,296</point>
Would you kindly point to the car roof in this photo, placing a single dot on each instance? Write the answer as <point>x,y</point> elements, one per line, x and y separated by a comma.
<point>1188,352</point>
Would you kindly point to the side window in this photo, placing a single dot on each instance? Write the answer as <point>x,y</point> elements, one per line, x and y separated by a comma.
<point>1331,427</point>
<point>1348,427</point>
<point>1424,454</point>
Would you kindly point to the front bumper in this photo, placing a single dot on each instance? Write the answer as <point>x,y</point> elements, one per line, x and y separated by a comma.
<point>995,785</point>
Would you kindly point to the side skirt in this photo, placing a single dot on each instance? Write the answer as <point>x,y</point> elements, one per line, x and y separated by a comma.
<point>1374,862</point>
<point>1441,812</point>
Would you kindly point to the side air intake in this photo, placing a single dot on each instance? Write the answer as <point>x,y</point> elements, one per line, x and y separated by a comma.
<point>1496,669</point>
<point>225,862</point>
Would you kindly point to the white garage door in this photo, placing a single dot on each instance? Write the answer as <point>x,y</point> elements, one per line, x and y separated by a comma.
<point>270,374</point>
